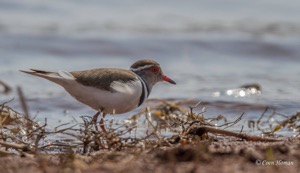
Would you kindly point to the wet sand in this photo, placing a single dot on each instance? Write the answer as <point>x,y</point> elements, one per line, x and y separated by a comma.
<point>218,156</point>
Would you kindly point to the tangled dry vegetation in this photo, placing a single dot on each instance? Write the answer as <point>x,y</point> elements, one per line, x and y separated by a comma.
<point>191,138</point>
<point>20,134</point>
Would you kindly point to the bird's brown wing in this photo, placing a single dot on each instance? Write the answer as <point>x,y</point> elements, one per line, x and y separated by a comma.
<point>102,78</point>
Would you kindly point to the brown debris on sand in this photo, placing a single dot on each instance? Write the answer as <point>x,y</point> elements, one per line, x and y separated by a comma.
<point>196,145</point>
<point>221,156</point>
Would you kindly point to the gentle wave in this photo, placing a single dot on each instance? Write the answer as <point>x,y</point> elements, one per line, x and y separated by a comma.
<point>284,29</point>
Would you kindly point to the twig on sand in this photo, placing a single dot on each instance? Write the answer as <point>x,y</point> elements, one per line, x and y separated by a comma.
<point>29,123</point>
<point>260,118</point>
<point>4,153</point>
<point>206,129</point>
<point>6,87</point>
<point>290,122</point>
<point>21,147</point>
<point>234,122</point>
<point>23,102</point>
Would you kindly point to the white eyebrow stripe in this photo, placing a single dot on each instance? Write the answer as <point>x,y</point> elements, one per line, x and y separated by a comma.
<point>141,68</point>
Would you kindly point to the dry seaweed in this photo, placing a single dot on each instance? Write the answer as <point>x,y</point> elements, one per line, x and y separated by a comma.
<point>192,138</point>
<point>182,125</point>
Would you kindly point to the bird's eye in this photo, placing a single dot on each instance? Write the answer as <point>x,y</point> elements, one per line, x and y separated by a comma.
<point>154,69</point>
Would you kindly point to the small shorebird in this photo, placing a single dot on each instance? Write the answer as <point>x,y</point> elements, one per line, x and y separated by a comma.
<point>109,90</point>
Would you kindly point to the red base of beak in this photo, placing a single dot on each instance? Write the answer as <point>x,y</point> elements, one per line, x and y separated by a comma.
<point>167,79</point>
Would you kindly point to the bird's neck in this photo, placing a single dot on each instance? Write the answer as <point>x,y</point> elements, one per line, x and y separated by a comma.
<point>145,90</point>
<point>146,87</point>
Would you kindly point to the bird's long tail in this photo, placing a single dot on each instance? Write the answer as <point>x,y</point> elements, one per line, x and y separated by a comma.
<point>56,77</point>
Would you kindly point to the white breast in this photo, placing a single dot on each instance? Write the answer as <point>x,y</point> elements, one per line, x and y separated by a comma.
<point>124,98</point>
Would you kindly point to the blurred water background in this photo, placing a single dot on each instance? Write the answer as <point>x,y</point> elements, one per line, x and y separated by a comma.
<point>210,48</point>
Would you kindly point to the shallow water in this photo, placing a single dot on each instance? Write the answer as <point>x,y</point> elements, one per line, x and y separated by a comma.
<point>206,47</point>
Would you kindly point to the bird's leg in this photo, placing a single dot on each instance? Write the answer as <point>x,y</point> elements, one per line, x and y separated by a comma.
<point>94,119</point>
<point>102,123</point>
